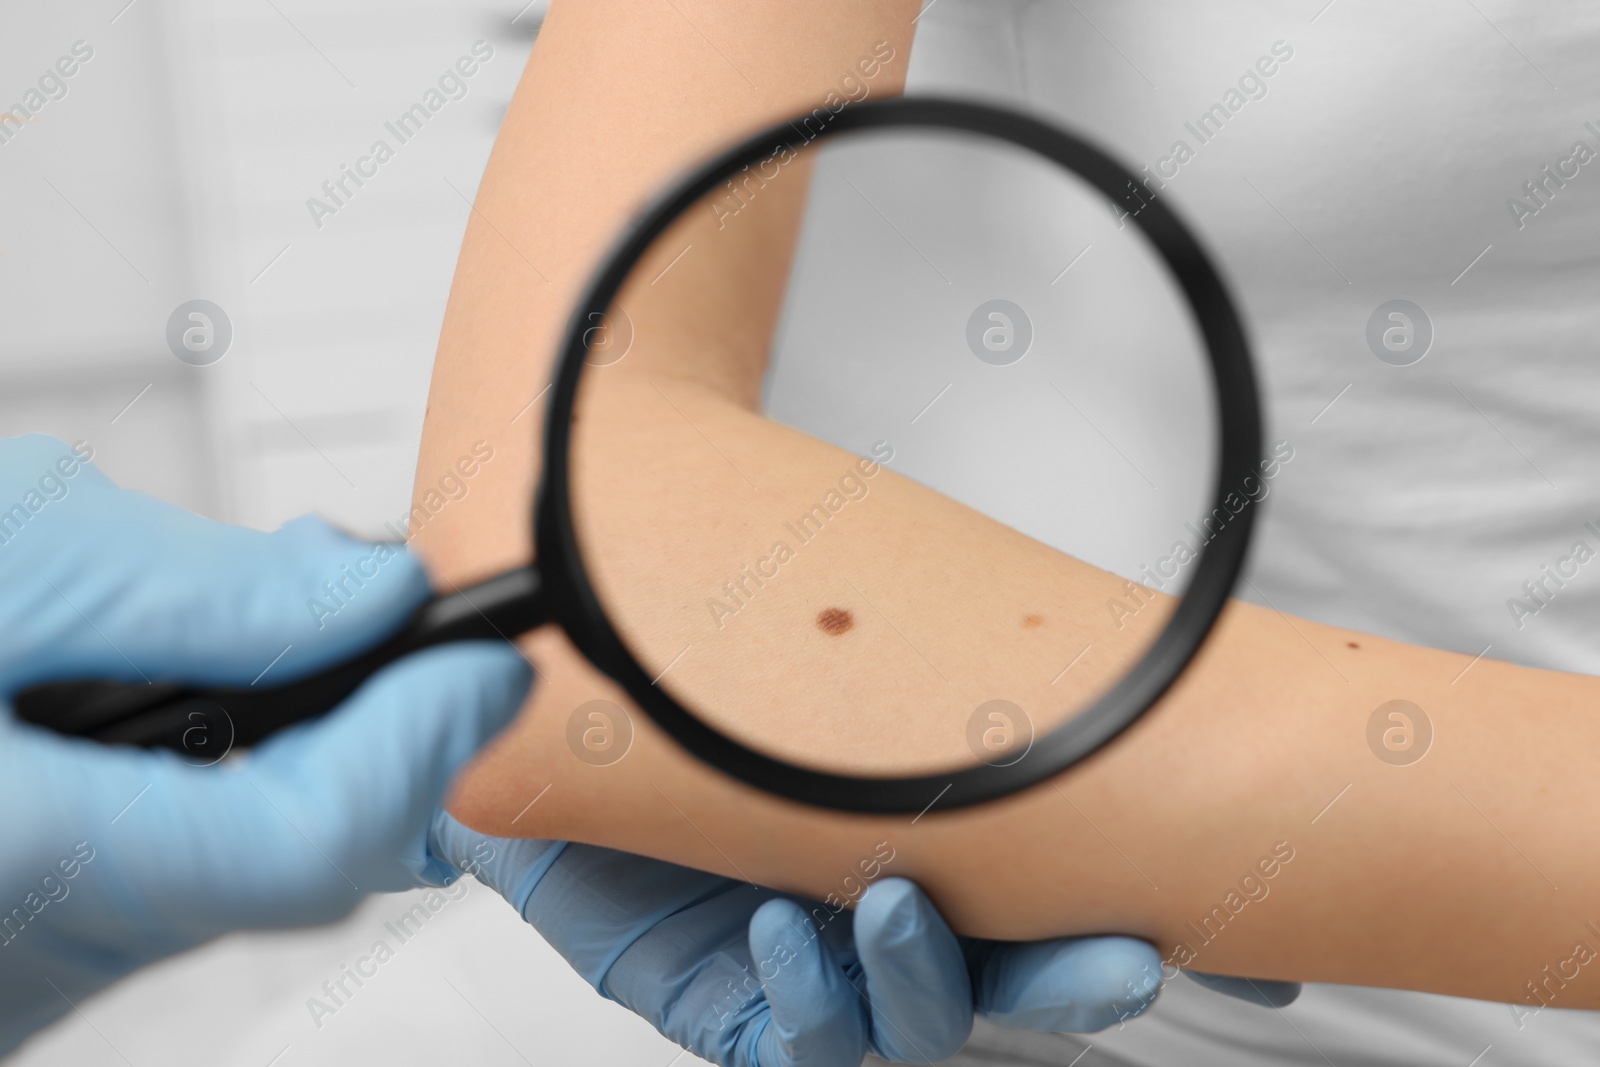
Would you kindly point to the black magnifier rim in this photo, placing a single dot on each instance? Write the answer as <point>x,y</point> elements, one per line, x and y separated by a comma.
<point>577,607</point>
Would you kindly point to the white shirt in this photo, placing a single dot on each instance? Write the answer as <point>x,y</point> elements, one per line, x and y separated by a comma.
<point>1380,164</point>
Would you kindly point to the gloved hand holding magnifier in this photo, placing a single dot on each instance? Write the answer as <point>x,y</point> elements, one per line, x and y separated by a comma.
<point>921,321</point>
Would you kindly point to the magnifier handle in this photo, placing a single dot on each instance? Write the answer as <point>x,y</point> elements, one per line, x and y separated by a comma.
<point>208,721</point>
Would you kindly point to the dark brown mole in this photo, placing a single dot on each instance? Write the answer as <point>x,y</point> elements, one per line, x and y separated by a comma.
<point>1352,644</point>
<point>1029,622</point>
<point>834,621</point>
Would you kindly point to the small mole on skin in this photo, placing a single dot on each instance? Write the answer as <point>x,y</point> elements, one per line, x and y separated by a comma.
<point>1031,621</point>
<point>1352,644</point>
<point>834,621</point>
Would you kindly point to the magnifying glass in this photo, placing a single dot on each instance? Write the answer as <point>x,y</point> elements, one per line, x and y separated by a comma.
<point>900,455</point>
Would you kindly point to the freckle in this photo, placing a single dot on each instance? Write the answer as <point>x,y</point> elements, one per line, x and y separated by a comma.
<point>834,621</point>
<point>1352,644</point>
<point>1029,622</point>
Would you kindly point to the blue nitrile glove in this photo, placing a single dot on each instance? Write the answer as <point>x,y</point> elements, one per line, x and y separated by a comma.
<point>114,857</point>
<point>735,974</point>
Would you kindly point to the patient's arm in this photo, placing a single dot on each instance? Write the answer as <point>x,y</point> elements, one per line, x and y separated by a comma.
<point>1440,875</point>
<point>1152,835</point>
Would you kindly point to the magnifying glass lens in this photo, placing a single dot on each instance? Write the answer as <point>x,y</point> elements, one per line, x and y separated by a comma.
<point>896,451</point>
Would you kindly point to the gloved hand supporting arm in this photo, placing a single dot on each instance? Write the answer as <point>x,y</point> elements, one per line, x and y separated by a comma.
<point>116,857</point>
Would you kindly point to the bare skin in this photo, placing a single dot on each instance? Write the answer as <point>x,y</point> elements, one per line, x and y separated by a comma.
<point>1440,875</point>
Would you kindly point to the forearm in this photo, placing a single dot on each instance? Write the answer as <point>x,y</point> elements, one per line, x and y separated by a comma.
<point>1249,759</point>
<point>1410,878</point>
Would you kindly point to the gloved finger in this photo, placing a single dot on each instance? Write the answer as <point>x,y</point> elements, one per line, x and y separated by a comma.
<point>597,904</point>
<point>300,830</point>
<point>915,975</point>
<point>1262,991</point>
<point>114,583</point>
<point>1069,985</point>
<point>817,1018</point>
<point>363,784</point>
<point>511,866</point>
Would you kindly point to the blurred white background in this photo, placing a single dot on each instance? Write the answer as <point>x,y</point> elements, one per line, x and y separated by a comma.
<point>177,166</point>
